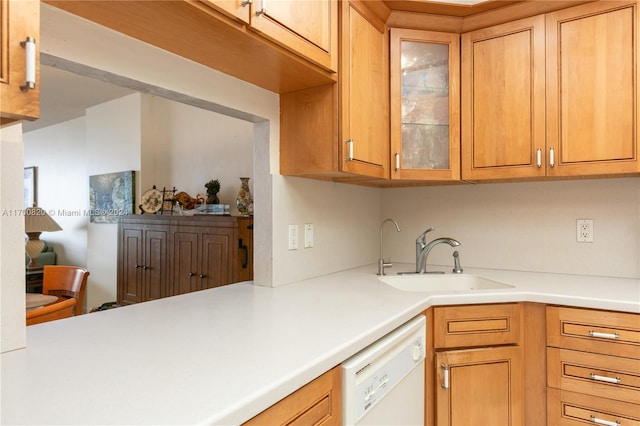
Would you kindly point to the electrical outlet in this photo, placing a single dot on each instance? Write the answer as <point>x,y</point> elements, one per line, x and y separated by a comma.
<point>584,230</point>
<point>293,237</point>
<point>308,235</point>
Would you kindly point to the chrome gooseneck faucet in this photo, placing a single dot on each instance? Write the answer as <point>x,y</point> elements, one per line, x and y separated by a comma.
<point>382,265</point>
<point>423,249</point>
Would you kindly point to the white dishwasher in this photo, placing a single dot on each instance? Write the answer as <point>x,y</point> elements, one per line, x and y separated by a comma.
<point>384,383</point>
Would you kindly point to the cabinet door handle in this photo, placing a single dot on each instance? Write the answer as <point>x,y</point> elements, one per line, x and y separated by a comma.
<point>246,3</point>
<point>191,274</point>
<point>552,157</point>
<point>397,161</point>
<point>598,421</point>
<point>30,63</point>
<point>612,336</point>
<point>605,379</point>
<point>145,267</point>
<point>245,260</point>
<point>263,8</point>
<point>445,377</point>
<point>202,276</point>
<point>349,143</point>
<point>137,266</point>
<point>539,157</point>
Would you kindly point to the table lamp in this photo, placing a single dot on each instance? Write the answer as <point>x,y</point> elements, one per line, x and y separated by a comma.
<point>36,221</point>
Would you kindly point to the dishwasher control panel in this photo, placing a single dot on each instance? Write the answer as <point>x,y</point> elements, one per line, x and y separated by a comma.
<point>370,375</point>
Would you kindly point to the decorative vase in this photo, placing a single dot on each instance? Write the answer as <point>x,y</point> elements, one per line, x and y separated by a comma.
<point>244,200</point>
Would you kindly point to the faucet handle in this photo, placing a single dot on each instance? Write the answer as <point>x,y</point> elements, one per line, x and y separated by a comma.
<point>422,237</point>
<point>457,269</point>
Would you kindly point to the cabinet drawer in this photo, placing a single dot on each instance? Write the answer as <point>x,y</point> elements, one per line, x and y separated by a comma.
<point>477,325</point>
<point>612,333</point>
<point>594,374</point>
<point>569,408</point>
<point>317,403</point>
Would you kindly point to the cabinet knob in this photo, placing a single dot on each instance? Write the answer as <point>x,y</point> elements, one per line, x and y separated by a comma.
<point>203,276</point>
<point>145,267</point>
<point>137,266</point>
<point>191,274</point>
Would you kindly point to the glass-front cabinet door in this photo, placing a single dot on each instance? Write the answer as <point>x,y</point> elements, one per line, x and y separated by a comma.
<point>425,105</point>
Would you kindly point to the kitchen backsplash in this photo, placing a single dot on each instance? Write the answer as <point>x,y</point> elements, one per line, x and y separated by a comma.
<point>527,226</point>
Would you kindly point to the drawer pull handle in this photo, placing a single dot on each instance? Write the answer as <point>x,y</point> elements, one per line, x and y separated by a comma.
<point>445,378</point>
<point>604,335</point>
<point>598,421</point>
<point>606,379</point>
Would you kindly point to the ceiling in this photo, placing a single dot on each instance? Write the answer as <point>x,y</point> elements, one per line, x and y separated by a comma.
<point>65,96</point>
<point>457,8</point>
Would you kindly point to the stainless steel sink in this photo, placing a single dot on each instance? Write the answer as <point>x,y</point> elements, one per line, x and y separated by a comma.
<point>441,282</point>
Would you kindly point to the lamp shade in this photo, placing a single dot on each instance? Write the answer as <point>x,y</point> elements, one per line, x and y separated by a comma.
<point>36,220</point>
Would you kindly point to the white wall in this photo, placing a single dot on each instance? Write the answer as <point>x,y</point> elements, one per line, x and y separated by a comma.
<point>523,226</point>
<point>74,39</point>
<point>12,281</point>
<point>60,154</point>
<point>171,144</point>
<point>113,140</point>
<point>185,147</point>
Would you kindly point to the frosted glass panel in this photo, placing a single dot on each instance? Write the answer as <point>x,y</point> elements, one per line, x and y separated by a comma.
<point>425,105</point>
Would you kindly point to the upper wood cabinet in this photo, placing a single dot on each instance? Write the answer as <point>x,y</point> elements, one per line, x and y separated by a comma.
<point>341,132</point>
<point>425,105</point>
<point>210,33</point>
<point>308,28</point>
<point>552,95</point>
<point>592,89</point>
<point>503,100</point>
<point>19,20</point>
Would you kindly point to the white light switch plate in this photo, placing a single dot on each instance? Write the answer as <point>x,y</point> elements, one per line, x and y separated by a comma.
<point>293,237</point>
<point>308,235</point>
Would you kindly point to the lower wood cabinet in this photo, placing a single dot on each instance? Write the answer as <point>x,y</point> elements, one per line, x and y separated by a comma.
<point>317,403</point>
<point>593,367</point>
<point>480,386</point>
<point>478,372</point>
<point>566,408</point>
<point>160,256</point>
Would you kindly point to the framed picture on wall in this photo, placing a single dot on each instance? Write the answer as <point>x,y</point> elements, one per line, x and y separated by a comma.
<point>30,194</point>
<point>111,195</point>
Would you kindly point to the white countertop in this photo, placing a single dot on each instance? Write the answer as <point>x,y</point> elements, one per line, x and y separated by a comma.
<point>221,356</point>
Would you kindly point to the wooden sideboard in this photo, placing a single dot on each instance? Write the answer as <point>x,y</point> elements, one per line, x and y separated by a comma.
<point>161,256</point>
